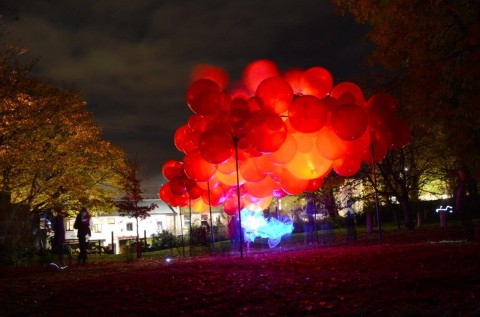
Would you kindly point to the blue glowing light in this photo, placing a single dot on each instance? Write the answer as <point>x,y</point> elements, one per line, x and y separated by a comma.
<point>256,225</point>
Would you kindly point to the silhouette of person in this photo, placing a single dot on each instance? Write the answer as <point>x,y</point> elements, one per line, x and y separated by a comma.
<point>233,234</point>
<point>58,241</point>
<point>82,224</point>
<point>460,206</point>
<point>350,222</point>
<point>310,223</point>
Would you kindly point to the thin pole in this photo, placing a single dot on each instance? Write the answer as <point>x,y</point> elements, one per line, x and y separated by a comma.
<point>376,196</point>
<point>181,229</point>
<point>190,210</point>
<point>211,223</point>
<point>235,142</point>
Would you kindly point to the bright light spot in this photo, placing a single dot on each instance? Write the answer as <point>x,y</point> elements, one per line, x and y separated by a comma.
<point>447,208</point>
<point>256,225</point>
<point>168,260</point>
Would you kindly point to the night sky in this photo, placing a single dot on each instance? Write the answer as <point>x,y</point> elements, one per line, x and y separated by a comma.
<point>133,59</point>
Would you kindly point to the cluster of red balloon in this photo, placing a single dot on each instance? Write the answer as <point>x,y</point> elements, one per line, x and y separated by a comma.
<point>290,130</point>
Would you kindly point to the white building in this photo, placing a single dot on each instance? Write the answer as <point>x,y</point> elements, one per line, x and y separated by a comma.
<point>108,229</point>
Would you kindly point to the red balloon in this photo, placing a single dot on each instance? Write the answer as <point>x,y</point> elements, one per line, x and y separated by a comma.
<point>286,152</point>
<point>317,81</point>
<point>260,189</point>
<point>216,145</point>
<point>349,121</point>
<point>214,197</point>
<point>172,169</point>
<point>307,114</point>
<point>400,135</point>
<point>276,94</point>
<point>347,165</point>
<point>178,185</point>
<point>266,132</point>
<point>258,71</point>
<point>180,138</point>
<point>294,78</point>
<point>376,153</point>
<point>249,171</point>
<point>198,122</point>
<point>197,168</point>
<point>214,73</point>
<point>380,102</point>
<point>204,97</point>
<point>314,184</point>
<point>348,92</point>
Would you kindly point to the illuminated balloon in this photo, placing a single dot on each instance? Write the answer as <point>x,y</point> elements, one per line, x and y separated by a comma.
<point>197,168</point>
<point>204,97</point>
<point>216,145</point>
<point>180,138</point>
<point>314,184</point>
<point>178,185</point>
<point>198,205</point>
<point>305,142</point>
<point>260,189</point>
<point>172,169</point>
<point>193,189</point>
<point>230,179</point>
<point>258,71</point>
<point>249,171</point>
<point>309,165</point>
<point>266,132</point>
<point>276,94</point>
<point>317,81</point>
<point>307,114</point>
<point>214,196</point>
<point>358,146</point>
<point>264,165</point>
<point>349,121</point>
<point>348,92</point>
<point>347,165</point>
<point>294,78</point>
<point>291,184</point>
<point>328,144</point>
<point>214,73</point>
<point>286,152</point>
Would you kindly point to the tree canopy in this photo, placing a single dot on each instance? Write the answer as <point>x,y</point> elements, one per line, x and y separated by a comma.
<point>51,151</point>
<point>428,52</point>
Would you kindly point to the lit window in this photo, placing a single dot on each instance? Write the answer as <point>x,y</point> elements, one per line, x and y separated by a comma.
<point>159,226</point>
<point>111,221</point>
<point>70,223</point>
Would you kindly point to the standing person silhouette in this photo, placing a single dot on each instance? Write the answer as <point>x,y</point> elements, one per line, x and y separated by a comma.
<point>82,224</point>
<point>58,241</point>
<point>460,206</point>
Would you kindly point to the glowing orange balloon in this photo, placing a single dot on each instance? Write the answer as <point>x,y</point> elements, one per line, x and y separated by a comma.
<point>349,121</point>
<point>260,189</point>
<point>259,205</point>
<point>197,168</point>
<point>291,184</point>
<point>276,94</point>
<point>309,165</point>
<point>286,152</point>
<point>198,205</point>
<point>258,71</point>
<point>249,171</point>
<point>230,179</point>
<point>204,96</point>
<point>305,142</point>
<point>317,81</point>
<point>328,144</point>
<point>307,114</point>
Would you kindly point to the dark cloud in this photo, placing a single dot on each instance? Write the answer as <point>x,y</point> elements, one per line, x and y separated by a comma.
<point>132,59</point>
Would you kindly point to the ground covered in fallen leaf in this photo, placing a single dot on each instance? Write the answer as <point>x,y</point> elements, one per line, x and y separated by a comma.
<point>425,272</point>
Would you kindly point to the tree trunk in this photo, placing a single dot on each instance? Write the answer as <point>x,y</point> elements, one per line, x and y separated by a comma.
<point>407,214</point>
